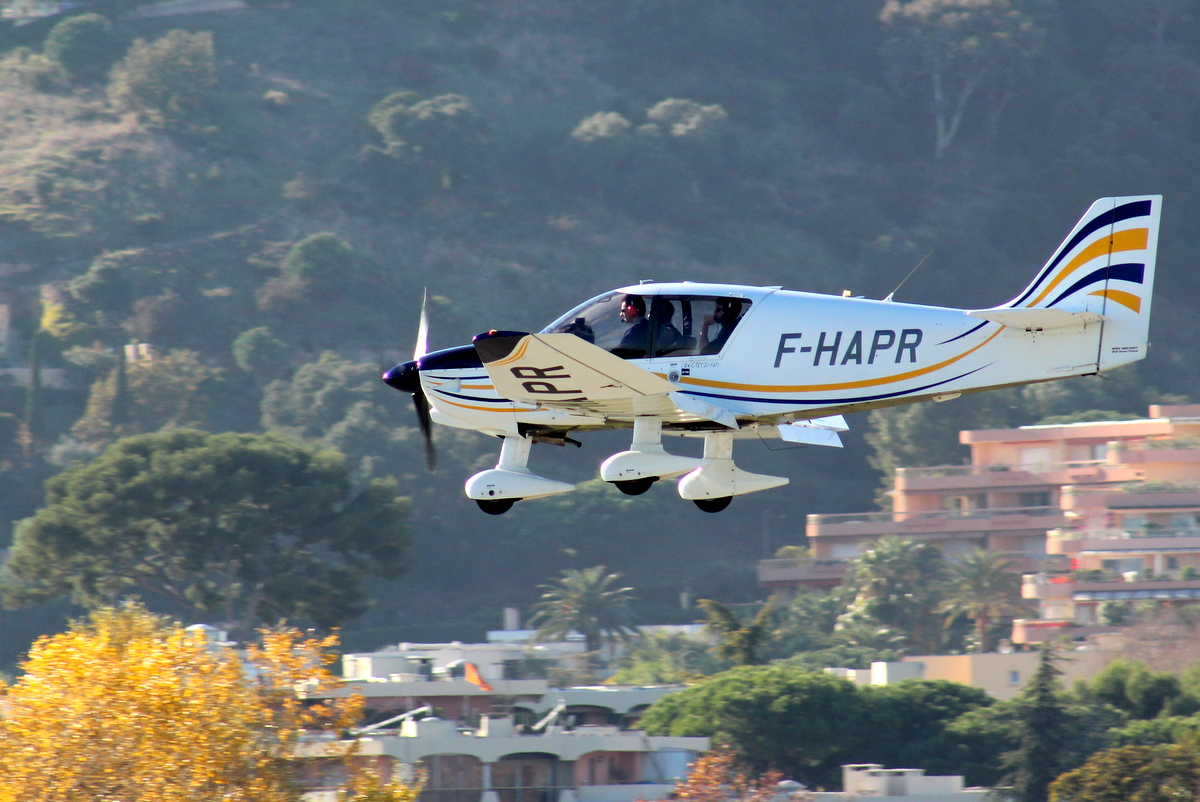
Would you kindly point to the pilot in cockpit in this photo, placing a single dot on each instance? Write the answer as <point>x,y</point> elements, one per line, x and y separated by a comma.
<point>727,313</point>
<point>636,341</point>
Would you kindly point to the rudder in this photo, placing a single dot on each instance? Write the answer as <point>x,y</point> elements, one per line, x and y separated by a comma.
<point>1105,266</point>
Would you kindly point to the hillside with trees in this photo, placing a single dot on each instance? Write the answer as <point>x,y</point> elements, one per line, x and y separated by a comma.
<point>261,195</point>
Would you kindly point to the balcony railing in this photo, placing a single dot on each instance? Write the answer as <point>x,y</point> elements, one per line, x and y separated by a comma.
<point>954,515</point>
<point>1123,534</point>
<point>938,471</point>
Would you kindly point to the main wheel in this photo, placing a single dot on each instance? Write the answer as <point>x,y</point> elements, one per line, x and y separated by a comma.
<point>496,506</point>
<point>635,487</point>
<point>713,504</point>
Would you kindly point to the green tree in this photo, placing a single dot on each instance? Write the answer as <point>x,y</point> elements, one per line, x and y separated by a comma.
<point>259,353</point>
<point>320,395</point>
<point>665,659</point>
<point>172,389</point>
<point>83,46</point>
<point>33,394</point>
<point>806,623</point>
<point>1128,685</point>
<point>961,48</point>
<point>443,132</point>
<point>584,601</point>
<point>776,718</point>
<point>104,287</point>
<point>898,583</point>
<point>806,723</point>
<point>1043,729</point>
<point>1133,774</point>
<point>915,715</point>
<point>741,643</point>
<point>1154,731</point>
<point>982,586</point>
<point>323,263</point>
<point>244,527</point>
<point>844,655</point>
<point>168,82</point>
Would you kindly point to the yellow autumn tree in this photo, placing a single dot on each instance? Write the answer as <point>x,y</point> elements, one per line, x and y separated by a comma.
<point>129,706</point>
<point>717,777</point>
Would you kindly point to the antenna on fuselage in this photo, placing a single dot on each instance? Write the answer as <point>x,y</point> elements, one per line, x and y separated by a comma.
<point>888,299</point>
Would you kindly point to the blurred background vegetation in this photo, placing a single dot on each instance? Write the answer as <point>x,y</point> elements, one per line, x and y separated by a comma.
<point>261,195</point>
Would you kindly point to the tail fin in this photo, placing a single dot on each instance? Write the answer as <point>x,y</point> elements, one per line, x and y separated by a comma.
<point>1105,266</point>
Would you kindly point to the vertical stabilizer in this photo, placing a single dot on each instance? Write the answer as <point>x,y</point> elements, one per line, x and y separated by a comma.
<point>1105,266</point>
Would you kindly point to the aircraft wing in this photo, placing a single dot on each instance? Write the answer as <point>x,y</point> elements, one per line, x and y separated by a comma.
<point>563,370</point>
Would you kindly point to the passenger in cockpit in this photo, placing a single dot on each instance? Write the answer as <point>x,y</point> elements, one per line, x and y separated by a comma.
<point>726,315</point>
<point>666,337</point>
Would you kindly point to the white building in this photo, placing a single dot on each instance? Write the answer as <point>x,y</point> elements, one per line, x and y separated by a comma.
<point>497,763</point>
<point>26,10</point>
<point>872,781</point>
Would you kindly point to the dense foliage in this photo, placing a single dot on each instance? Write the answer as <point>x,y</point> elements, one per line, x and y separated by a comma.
<point>807,724</point>
<point>242,528</point>
<point>130,706</point>
<point>249,190</point>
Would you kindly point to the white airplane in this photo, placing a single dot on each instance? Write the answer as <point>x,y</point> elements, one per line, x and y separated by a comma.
<point>727,362</point>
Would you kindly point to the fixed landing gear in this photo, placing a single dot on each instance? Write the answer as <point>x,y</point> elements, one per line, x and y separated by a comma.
<point>496,490</point>
<point>635,470</point>
<point>712,504</point>
<point>713,485</point>
<point>496,506</point>
<point>635,487</point>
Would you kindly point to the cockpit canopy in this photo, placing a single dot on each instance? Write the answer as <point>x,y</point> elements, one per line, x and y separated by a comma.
<point>654,325</point>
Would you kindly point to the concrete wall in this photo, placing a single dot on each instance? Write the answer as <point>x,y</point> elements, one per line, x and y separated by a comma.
<point>1005,675</point>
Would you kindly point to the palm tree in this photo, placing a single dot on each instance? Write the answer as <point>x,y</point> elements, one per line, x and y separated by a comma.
<point>898,584</point>
<point>581,600</point>
<point>982,586</point>
<point>741,643</point>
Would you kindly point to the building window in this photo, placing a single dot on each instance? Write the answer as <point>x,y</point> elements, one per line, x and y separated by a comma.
<point>1014,677</point>
<point>1035,459</point>
<point>1172,563</point>
<point>1036,499</point>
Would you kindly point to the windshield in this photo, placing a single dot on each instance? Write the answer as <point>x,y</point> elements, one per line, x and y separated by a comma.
<point>635,326</point>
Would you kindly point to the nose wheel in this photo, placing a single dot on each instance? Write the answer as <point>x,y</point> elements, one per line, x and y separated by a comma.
<point>712,504</point>
<point>496,506</point>
<point>635,487</point>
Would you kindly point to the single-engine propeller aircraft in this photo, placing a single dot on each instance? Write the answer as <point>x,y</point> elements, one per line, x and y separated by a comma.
<point>727,362</point>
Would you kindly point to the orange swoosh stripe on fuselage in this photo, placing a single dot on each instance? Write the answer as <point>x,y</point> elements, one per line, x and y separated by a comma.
<point>803,388</point>
<point>480,409</point>
<point>1123,298</point>
<point>1133,239</point>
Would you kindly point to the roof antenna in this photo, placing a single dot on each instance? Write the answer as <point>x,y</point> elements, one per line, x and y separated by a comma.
<point>888,299</point>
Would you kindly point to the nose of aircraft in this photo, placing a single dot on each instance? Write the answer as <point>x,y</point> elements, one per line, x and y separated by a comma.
<point>405,376</point>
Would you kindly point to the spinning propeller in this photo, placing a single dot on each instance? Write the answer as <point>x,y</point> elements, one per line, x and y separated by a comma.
<point>407,377</point>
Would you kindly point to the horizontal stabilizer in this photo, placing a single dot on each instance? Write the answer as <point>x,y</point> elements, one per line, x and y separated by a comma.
<point>805,432</point>
<point>834,423</point>
<point>561,368</point>
<point>1036,318</point>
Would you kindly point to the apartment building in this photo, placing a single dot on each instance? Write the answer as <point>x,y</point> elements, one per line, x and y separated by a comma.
<point>500,762</point>
<point>1103,489</point>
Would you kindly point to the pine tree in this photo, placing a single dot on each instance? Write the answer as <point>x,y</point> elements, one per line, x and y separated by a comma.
<point>33,396</point>
<point>1044,726</point>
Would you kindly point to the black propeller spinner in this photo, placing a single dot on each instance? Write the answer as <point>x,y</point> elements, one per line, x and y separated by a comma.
<point>406,377</point>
